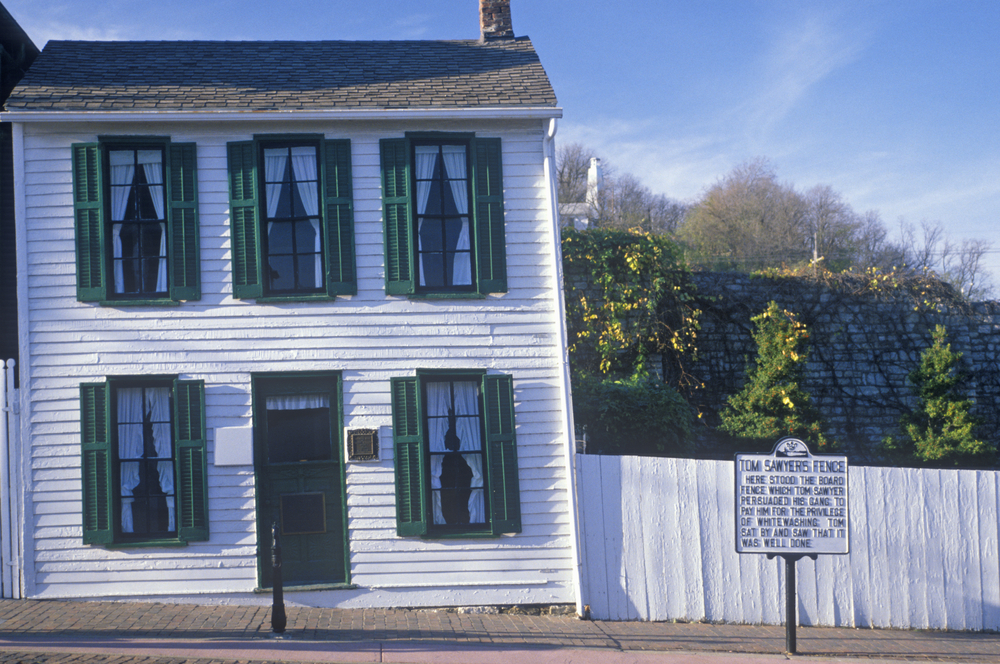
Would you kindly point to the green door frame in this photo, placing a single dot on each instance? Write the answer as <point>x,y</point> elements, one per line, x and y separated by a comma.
<point>285,383</point>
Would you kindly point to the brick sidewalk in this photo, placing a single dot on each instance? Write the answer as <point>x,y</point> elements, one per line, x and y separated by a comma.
<point>45,621</point>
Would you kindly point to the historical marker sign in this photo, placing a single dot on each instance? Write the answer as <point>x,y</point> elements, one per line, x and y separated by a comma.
<point>791,502</point>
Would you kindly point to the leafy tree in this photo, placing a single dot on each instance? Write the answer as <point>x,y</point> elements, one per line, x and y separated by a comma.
<point>748,220</point>
<point>941,431</point>
<point>772,404</point>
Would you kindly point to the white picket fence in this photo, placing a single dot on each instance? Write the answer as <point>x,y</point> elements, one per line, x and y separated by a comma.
<point>658,544</point>
<point>10,519</point>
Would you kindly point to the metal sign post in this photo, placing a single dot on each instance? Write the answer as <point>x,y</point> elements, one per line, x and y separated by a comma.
<point>792,504</point>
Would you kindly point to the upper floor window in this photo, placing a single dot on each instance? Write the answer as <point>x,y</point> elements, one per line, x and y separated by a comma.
<point>292,217</point>
<point>442,200</point>
<point>444,238</point>
<point>135,203</point>
<point>138,222</point>
<point>293,240</point>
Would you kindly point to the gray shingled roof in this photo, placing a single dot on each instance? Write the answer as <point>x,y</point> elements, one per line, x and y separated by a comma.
<point>260,76</point>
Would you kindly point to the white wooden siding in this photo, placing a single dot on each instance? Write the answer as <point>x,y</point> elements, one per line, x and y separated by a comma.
<point>369,337</point>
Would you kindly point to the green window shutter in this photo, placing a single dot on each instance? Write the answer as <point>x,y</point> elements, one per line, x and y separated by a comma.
<point>397,213</point>
<point>501,454</point>
<point>245,232</point>
<point>95,458</point>
<point>491,247</point>
<point>185,270</point>
<point>338,199</point>
<point>88,211</point>
<point>407,435</point>
<point>191,452</point>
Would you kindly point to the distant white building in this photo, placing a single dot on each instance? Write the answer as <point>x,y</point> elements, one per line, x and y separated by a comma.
<point>579,215</point>
<point>322,294</point>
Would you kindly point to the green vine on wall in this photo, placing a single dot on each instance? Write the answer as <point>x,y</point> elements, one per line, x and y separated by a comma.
<point>634,298</point>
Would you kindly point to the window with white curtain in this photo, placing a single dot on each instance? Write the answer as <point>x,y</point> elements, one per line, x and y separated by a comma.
<point>444,241</point>
<point>138,221</point>
<point>292,230</point>
<point>455,450</point>
<point>145,461</point>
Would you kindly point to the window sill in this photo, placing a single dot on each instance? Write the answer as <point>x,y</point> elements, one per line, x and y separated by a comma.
<point>146,544</point>
<point>314,587</point>
<point>481,534</point>
<point>140,303</point>
<point>447,296</point>
<point>281,299</point>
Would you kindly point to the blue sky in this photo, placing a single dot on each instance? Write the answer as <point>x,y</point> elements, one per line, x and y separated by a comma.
<point>893,103</point>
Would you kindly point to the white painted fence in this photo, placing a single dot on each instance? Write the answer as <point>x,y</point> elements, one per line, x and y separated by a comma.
<point>10,520</point>
<point>658,545</point>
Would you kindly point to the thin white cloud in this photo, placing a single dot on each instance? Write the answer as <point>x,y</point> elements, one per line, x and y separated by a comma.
<point>413,26</point>
<point>678,167</point>
<point>804,52</point>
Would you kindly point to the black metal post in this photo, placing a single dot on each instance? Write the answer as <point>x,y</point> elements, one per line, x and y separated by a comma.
<point>278,618</point>
<point>791,619</point>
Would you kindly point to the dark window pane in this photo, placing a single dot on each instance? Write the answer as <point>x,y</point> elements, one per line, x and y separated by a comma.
<point>283,206</point>
<point>279,237</point>
<point>131,275</point>
<point>298,207</point>
<point>431,235</point>
<point>282,272</point>
<point>151,276</point>
<point>305,237</point>
<point>144,201</point>
<point>453,231</point>
<point>299,435</point>
<point>432,266</point>
<point>434,199</point>
<point>305,271</point>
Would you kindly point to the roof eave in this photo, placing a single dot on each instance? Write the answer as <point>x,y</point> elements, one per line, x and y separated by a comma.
<point>222,115</point>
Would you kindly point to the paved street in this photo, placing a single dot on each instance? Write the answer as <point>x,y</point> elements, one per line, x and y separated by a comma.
<point>134,633</point>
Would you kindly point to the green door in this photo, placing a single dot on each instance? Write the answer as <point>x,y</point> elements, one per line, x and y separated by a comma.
<point>300,478</point>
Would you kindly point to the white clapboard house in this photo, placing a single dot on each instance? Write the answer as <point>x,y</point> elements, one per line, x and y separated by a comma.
<point>310,287</point>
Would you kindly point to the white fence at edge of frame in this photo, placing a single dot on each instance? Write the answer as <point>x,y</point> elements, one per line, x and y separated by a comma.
<point>10,520</point>
<point>658,544</point>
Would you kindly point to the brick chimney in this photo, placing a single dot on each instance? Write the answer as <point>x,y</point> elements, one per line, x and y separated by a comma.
<point>494,20</point>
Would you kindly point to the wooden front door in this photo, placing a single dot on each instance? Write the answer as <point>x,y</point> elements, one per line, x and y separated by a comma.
<point>300,479</point>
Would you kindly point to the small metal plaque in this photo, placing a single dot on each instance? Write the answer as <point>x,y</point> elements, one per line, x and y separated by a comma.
<point>303,513</point>
<point>362,445</point>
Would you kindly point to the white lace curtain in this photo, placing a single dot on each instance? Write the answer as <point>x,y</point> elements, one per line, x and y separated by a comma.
<point>131,411</point>
<point>304,168</point>
<point>298,402</point>
<point>467,429</point>
<point>122,177</point>
<point>454,165</point>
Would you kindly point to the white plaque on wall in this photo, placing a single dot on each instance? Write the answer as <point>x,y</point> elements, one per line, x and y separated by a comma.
<point>234,446</point>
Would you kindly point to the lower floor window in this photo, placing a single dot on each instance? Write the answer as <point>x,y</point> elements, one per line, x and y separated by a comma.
<point>146,461</point>
<point>143,460</point>
<point>455,454</point>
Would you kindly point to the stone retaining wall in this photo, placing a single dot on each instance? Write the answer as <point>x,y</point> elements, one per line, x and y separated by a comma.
<point>861,350</point>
